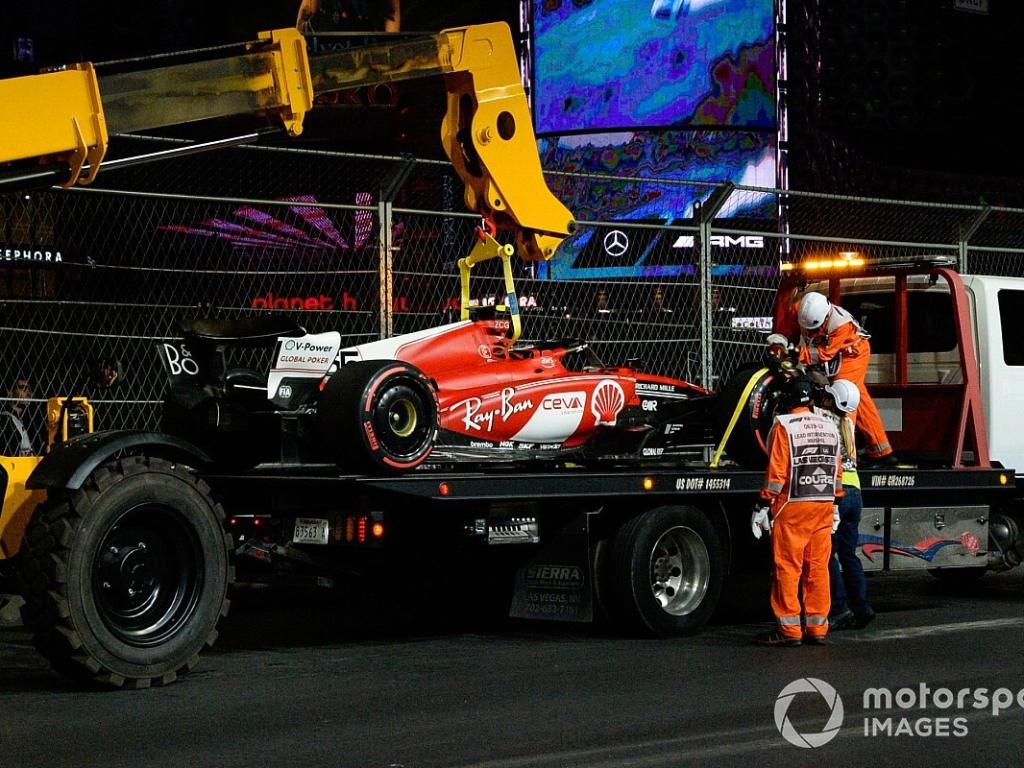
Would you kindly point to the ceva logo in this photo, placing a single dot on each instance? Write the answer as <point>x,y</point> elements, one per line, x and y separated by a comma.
<point>565,402</point>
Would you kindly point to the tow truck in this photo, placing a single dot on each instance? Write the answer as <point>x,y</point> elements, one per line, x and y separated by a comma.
<point>125,543</point>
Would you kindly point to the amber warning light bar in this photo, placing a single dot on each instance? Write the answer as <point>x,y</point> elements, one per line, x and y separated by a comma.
<point>850,261</point>
<point>846,260</point>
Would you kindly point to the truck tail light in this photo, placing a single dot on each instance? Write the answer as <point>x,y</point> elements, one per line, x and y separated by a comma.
<point>364,529</point>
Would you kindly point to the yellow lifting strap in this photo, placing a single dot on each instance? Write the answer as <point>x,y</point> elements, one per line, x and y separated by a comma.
<point>740,403</point>
<point>485,249</point>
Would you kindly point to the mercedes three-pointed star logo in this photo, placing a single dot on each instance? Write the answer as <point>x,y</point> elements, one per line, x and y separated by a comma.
<point>616,243</point>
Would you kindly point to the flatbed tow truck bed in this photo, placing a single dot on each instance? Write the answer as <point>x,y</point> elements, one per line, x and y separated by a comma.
<point>580,482</point>
<point>647,546</point>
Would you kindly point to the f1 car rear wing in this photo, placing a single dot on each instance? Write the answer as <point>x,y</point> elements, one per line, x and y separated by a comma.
<point>487,131</point>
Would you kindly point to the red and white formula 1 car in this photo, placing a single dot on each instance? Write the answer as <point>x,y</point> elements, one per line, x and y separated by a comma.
<point>462,392</point>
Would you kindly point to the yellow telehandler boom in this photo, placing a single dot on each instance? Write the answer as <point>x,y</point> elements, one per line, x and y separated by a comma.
<point>487,131</point>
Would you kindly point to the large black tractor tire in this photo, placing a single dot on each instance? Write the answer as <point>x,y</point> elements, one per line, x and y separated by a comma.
<point>378,416</point>
<point>126,579</point>
<point>748,441</point>
<point>665,572</point>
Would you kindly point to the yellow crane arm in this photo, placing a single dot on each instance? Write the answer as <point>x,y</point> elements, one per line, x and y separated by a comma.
<point>487,131</point>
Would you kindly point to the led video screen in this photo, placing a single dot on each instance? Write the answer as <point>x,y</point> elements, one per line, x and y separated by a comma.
<point>603,65</point>
<point>664,173</point>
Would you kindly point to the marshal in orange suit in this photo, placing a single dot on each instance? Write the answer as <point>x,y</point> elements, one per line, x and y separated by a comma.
<point>801,485</point>
<point>830,334</point>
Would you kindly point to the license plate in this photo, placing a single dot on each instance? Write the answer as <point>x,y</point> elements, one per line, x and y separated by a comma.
<point>311,530</point>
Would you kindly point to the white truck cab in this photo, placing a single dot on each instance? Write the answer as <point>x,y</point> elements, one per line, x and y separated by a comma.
<point>995,308</point>
<point>998,307</point>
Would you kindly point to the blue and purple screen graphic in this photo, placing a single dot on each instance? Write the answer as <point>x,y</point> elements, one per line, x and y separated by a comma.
<point>609,65</point>
<point>672,96</point>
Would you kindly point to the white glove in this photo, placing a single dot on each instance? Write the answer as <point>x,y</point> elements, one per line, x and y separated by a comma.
<point>835,518</point>
<point>760,521</point>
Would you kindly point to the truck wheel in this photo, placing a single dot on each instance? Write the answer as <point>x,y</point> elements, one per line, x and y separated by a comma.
<point>665,571</point>
<point>126,579</point>
<point>378,415</point>
<point>748,441</point>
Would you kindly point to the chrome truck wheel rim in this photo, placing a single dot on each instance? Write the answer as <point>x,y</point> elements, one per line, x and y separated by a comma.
<point>680,571</point>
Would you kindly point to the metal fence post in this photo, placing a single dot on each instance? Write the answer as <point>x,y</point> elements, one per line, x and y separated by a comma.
<point>385,269</point>
<point>705,214</point>
<point>704,281</point>
<point>389,188</point>
<point>968,232</point>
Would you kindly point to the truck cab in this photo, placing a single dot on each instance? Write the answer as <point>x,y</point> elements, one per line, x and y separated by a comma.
<point>997,303</point>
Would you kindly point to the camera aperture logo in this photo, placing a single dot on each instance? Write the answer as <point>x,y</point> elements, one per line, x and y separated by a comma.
<point>785,725</point>
<point>940,712</point>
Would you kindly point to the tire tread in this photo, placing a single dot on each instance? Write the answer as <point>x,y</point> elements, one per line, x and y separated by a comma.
<point>43,564</point>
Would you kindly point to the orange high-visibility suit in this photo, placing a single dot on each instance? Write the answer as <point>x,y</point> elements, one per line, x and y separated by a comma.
<point>802,482</point>
<point>841,338</point>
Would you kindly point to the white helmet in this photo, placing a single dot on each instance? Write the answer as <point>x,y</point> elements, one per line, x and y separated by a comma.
<point>845,393</point>
<point>813,311</point>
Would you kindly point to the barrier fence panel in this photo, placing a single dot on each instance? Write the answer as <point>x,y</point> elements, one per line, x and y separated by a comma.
<point>368,246</point>
<point>997,245</point>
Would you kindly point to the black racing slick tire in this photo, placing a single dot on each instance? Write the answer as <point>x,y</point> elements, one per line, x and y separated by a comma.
<point>748,441</point>
<point>378,416</point>
<point>665,572</point>
<point>126,579</point>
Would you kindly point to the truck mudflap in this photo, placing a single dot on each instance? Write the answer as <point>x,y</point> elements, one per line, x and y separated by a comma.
<point>67,466</point>
<point>557,583</point>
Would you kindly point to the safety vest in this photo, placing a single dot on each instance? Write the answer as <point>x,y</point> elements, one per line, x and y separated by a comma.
<point>813,454</point>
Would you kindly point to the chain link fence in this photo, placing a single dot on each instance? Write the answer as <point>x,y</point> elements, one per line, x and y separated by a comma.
<point>367,245</point>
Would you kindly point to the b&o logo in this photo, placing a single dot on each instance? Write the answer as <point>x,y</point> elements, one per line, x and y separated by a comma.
<point>785,699</point>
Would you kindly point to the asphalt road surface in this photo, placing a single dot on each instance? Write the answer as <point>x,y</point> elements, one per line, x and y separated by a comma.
<point>295,682</point>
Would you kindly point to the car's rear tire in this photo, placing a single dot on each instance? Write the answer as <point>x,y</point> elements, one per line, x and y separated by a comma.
<point>378,416</point>
<point>665,572</point>
<point>126,579</point>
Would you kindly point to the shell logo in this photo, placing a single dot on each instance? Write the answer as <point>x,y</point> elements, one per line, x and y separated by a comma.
<point>607,402</point>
